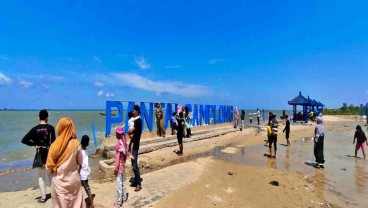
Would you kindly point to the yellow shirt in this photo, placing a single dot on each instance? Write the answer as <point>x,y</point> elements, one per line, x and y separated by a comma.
<point>269,131</point>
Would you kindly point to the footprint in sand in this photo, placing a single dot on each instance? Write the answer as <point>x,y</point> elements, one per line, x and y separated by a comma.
<point>229,190</point>
<point>216,199</point>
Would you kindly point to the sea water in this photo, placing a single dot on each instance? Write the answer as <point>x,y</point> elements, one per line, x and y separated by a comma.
<point>15,124</point>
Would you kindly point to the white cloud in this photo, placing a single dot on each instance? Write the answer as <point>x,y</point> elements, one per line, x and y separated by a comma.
<point>4,58</point>
<point>160,87</point>
<point>98,60</point>
<point>25,84</point>
<point>100,93</point>
<point>110,95</point>
<point>215,61</point>
<point>99,84</point>
<point>4,80</point>
<point>44,86</point>
<point>173,67</point>
<point>142,63</point>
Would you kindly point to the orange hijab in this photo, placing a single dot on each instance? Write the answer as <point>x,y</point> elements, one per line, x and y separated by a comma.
<point>60,151</point>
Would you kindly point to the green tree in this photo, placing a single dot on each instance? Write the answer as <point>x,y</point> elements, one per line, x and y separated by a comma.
<point>351,109</point>
<point>344,107</point>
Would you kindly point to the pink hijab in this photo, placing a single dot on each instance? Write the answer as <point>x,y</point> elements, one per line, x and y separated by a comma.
<point>236,112</point>
<point>121,145</point>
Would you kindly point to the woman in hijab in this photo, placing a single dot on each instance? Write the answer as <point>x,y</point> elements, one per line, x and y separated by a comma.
<point>236,117</point>
<point>319,136</point>
<point>63,161</point>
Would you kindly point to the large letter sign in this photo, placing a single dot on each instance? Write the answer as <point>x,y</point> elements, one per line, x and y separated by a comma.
<point>113,120</point>
<point>201,114</point>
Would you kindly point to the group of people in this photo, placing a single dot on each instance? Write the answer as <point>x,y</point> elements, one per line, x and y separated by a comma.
<point>242,118</point>
<point>180,124</point>
<point>64,160</point>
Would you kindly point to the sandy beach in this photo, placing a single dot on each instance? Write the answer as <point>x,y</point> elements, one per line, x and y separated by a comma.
<point>232,171</point>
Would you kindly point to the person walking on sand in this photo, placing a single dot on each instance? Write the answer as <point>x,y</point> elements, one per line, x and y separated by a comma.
<point>63,162</point>
<point>250,118</point>
<point>361,138</point>
<point>41,136</point>
<point>287,130</point>
<point>180,132</point>
<point>319,136</point>
<point>160,121</point>
<point>242,117</point>
<point>236,117</point>
<point>119,171</point>
<point>258,116</point>
<point>85,170</point>
<point>136,131</point>
<point>273,136</point>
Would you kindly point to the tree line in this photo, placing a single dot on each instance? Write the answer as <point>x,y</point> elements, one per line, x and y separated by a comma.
<point>346,110</point>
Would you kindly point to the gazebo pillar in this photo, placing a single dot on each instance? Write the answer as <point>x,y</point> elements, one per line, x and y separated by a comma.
<point>294,113</point>
<point>305,113</point>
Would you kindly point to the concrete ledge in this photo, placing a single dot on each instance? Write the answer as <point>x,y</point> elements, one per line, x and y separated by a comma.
<point>108,150</point>
<point>107,166</point>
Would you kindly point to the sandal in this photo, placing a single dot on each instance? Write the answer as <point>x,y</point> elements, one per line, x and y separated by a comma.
<point>41,200</point>
<point>117,204</point>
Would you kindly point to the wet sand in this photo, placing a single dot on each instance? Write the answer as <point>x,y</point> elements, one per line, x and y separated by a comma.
<point>231,171</point>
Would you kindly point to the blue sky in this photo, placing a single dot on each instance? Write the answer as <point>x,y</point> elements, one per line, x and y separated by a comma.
<point>250,54</point>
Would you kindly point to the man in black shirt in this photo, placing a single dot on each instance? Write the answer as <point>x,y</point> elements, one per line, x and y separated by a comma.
<point>136,132</point>
<point>41,136</point>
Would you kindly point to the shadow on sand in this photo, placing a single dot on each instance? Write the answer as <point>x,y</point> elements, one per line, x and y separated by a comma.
<point>353,156</point>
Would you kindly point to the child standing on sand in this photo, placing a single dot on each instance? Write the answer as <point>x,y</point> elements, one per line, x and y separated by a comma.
<point>287,130</point>
<point>361,138</point>
<point>119,171</point>
<point>273,137</point>
<point>131,125</point>
<point>250,118</point>
<point>85,170</point>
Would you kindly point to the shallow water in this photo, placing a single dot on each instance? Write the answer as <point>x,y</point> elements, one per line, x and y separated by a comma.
<point>29,179</point>
<point>343,181</point>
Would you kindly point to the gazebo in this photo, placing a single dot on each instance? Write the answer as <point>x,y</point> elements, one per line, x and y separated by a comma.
<point>305,102</point>
<point>314,103</point>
